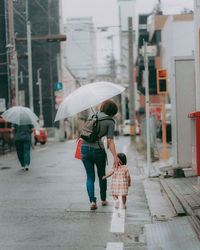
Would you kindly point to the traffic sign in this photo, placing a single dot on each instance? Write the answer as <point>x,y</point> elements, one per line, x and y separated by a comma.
<point>59,99</point>
<point>58,85</point>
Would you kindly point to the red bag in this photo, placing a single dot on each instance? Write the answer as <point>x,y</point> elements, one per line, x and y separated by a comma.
<point>78,150</point>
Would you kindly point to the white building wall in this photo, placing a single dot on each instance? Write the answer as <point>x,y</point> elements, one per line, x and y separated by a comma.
<point>177,40</point>
<point>127,9</point>
<point>183,38</point>
<point>197,55</point>
<point>80,48</point>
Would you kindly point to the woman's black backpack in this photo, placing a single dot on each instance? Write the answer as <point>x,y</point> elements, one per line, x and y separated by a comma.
<point>91,128</point>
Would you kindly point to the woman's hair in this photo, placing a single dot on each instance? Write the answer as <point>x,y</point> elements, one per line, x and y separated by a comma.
<point>109,107</point>
<point>122,157</point>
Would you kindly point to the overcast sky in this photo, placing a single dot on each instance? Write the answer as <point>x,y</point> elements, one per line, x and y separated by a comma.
<point>105,12</point>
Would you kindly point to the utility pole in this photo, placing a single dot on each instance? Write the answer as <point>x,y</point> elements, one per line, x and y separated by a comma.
<point>131,79</point>
<point>16,77</point>
<point>123,116</point>
<point>112,59</point>
<point>59,70</point>
<point>146,65</point>
<point>40,97</point>
<point>29,49</point>
<point>10,48</point>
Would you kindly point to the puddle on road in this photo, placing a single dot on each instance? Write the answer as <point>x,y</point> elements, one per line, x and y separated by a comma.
<point>63,152</point>
<point>5,168</point>
<point>51,166</point>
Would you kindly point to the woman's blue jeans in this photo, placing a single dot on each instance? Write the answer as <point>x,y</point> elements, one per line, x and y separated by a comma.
<point>90,157</point>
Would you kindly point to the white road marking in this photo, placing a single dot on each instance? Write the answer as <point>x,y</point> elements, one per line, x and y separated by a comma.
<point>114,246</point>
<point>118,221</point>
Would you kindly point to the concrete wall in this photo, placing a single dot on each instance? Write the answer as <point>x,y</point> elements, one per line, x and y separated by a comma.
<point>183,98</point>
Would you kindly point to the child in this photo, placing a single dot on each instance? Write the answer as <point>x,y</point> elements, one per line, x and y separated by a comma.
<point>121,180</point>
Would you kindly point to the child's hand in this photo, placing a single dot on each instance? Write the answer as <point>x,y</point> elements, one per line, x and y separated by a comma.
<point>103,178</point>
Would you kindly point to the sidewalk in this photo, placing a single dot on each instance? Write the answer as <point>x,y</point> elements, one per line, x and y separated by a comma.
<point>186,189</point>
<point>174,204</point>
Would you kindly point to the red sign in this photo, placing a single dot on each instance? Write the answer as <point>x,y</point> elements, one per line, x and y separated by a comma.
<point>155,109</point>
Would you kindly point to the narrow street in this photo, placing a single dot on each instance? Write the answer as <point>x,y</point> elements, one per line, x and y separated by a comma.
<point>48,208</point>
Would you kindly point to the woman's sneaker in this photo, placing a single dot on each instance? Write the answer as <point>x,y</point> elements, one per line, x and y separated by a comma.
<point>93,206</point>
<point>104,203</point>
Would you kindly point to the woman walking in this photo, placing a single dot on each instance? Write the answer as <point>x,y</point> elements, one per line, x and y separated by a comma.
<point>93,153</point>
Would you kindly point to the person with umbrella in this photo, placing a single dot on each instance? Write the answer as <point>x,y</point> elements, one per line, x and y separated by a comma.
<point>23,120</point>
<point>23,144</point>
<point>85,97</point>
<point>93,153</point>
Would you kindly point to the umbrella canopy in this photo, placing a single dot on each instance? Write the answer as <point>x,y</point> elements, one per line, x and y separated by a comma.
<point>87,96</point>
<point>20,116</point>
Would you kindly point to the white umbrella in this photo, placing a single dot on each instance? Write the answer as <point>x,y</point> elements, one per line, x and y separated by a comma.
<point>20,116</point>
<point>87,96</point>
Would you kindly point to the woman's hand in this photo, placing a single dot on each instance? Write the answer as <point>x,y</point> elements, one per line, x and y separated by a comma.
<point>117,161</point>
<point>111,144</point>
<point>104,177</point>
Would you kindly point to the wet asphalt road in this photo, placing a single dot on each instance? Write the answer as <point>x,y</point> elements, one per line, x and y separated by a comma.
<point>48,208</point>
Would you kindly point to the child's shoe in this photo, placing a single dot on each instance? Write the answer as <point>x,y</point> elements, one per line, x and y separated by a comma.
<point>124,206</point>
<point>117,204</point>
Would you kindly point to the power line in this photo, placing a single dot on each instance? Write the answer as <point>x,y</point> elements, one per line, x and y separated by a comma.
<point>46,12</point>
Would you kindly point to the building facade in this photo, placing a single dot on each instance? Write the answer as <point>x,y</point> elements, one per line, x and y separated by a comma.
<point>177,40</point>
<point>80,49</point>
<point>149,30</point>
<point>4,94</point>
<point>45,30</point>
